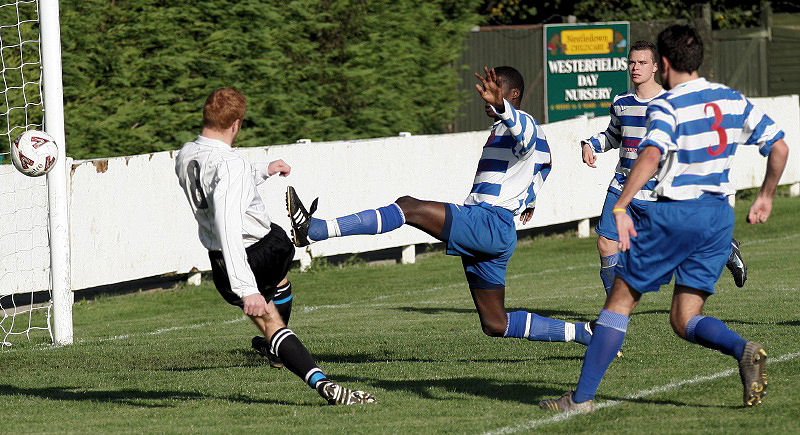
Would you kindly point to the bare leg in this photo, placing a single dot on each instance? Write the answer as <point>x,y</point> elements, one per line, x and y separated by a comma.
<point>428,216</point>
<point>491,310</point>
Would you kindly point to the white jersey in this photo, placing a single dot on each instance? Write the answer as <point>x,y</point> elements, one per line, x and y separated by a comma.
<point>514,163</point>
<point>221,188</point>
<point>625,130</point>
<point>697,126</point>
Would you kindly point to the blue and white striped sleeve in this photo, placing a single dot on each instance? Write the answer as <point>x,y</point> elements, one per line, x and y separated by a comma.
<point>522,128</point>
<point>759,129</point>
<point>661,125</point>
<point>610,138</point>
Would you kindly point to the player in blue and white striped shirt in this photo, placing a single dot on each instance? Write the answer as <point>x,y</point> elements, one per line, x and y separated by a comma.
<point>514,164</point>
<point>625,130</point>
<point>693,132</point>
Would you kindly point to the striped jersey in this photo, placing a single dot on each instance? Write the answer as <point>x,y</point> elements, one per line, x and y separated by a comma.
<point>221,188</point>
<point>514,163</point>
<point>625,130</point>
<point>698,126</point>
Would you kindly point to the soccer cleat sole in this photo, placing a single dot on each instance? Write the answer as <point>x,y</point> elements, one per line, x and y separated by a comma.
<point>298,217</point>
<point>736,265</point>
<point>338,395</point>
<point>752,371</point>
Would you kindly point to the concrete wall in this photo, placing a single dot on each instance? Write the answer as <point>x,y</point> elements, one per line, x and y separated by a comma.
<point>130,220</point>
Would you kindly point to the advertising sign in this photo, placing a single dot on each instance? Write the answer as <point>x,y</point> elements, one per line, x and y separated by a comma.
<point>586,65</point>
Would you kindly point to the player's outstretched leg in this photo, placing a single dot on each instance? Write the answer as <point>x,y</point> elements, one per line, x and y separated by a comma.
<point>296,358</point>
<point>736,264</point>
<point>307,229</point>
<point>531,326</point>
<point>752,371</point>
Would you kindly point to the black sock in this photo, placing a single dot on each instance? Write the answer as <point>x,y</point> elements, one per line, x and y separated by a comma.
<point>283,301</point>
<point>295,356</point>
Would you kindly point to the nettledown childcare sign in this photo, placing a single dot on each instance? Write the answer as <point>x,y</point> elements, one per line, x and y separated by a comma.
<point>586,65</point>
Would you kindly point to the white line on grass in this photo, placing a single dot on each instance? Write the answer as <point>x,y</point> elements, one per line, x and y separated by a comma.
<point>637,395</point>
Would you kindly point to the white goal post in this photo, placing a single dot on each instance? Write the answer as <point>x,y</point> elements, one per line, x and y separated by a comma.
<point>33,99</point>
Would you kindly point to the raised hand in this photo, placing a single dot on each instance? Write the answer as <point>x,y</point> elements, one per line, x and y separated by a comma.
<point>490,89</point>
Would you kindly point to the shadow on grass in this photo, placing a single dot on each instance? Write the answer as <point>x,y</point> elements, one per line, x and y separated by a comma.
<point>558,314</point>
<point>131,397</point>
<point>670,402</point>
<point>444,389</point>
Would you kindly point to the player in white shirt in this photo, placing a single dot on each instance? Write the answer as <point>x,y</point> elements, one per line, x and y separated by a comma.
<point>693,132</point>
<point>624,132</point>
<point>514,164</point>
<point>250,256</point>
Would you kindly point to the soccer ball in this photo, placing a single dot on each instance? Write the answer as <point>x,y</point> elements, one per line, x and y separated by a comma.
<point>34,152</point>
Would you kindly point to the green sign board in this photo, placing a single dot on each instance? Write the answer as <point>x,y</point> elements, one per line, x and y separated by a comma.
<point>586,65</point>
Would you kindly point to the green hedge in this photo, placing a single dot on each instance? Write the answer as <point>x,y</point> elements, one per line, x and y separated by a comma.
<point>137,72</point>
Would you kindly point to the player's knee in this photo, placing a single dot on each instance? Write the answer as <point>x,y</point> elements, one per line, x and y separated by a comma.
<point>606,246</point>
<point>408,204</point>
<point>493,328</point>
<point>678,324</point>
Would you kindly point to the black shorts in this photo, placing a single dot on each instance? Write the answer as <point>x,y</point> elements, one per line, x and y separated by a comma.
<point>270,259</point>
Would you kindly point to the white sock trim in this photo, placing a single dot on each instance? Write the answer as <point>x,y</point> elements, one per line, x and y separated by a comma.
<point>278,338</point>
<point>378,219</point>
<point>333,228</point>
<point>569,331</point>
<point>528,325</point>
<point>400,210</point>
<point>311,373</point>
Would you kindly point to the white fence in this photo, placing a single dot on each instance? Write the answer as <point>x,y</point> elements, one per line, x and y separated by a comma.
<point>130,220</point>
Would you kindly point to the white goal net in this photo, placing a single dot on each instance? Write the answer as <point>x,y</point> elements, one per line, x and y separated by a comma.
<point>33,241</point>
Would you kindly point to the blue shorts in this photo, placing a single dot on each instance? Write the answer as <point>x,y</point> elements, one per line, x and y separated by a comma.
<point>689,239</point>
<point>485,237</point>
<point>607,225</point>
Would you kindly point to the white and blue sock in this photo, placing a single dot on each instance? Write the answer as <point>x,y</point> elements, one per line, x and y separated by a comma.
<point>373,221</point>
<point>531,326</point>
<point>710,332</point>
<point>607,274</point>
<point>609,333</point>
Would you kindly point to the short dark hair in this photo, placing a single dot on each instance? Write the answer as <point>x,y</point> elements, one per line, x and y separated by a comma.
<point>682,46</point>
<point>513,77</point>
<point>645,45</point>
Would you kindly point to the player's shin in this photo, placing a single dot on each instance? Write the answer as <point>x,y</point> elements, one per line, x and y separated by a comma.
<point>607,274</point>
<point>295,356</point>
<point>522,324</point>
<point>714,334</point>
<point>609,333</point>
<point>373,221</point>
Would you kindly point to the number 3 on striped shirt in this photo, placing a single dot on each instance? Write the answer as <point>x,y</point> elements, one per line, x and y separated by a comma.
<point>723,137</point>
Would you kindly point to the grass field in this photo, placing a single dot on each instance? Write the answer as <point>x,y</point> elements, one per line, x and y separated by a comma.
<point>178,360</point>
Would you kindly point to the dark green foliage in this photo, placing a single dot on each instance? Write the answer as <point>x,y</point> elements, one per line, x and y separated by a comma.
<point>725,14</point>
<point>136,73</point>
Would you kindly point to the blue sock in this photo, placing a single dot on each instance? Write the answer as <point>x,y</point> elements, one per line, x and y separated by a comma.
<point>609,333</point>
<point>607,273</point>
<point>318,229</point>
<point>583,334</point>
<point>713,334</point>
<point>522,324</point>
<point>373,221</point>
